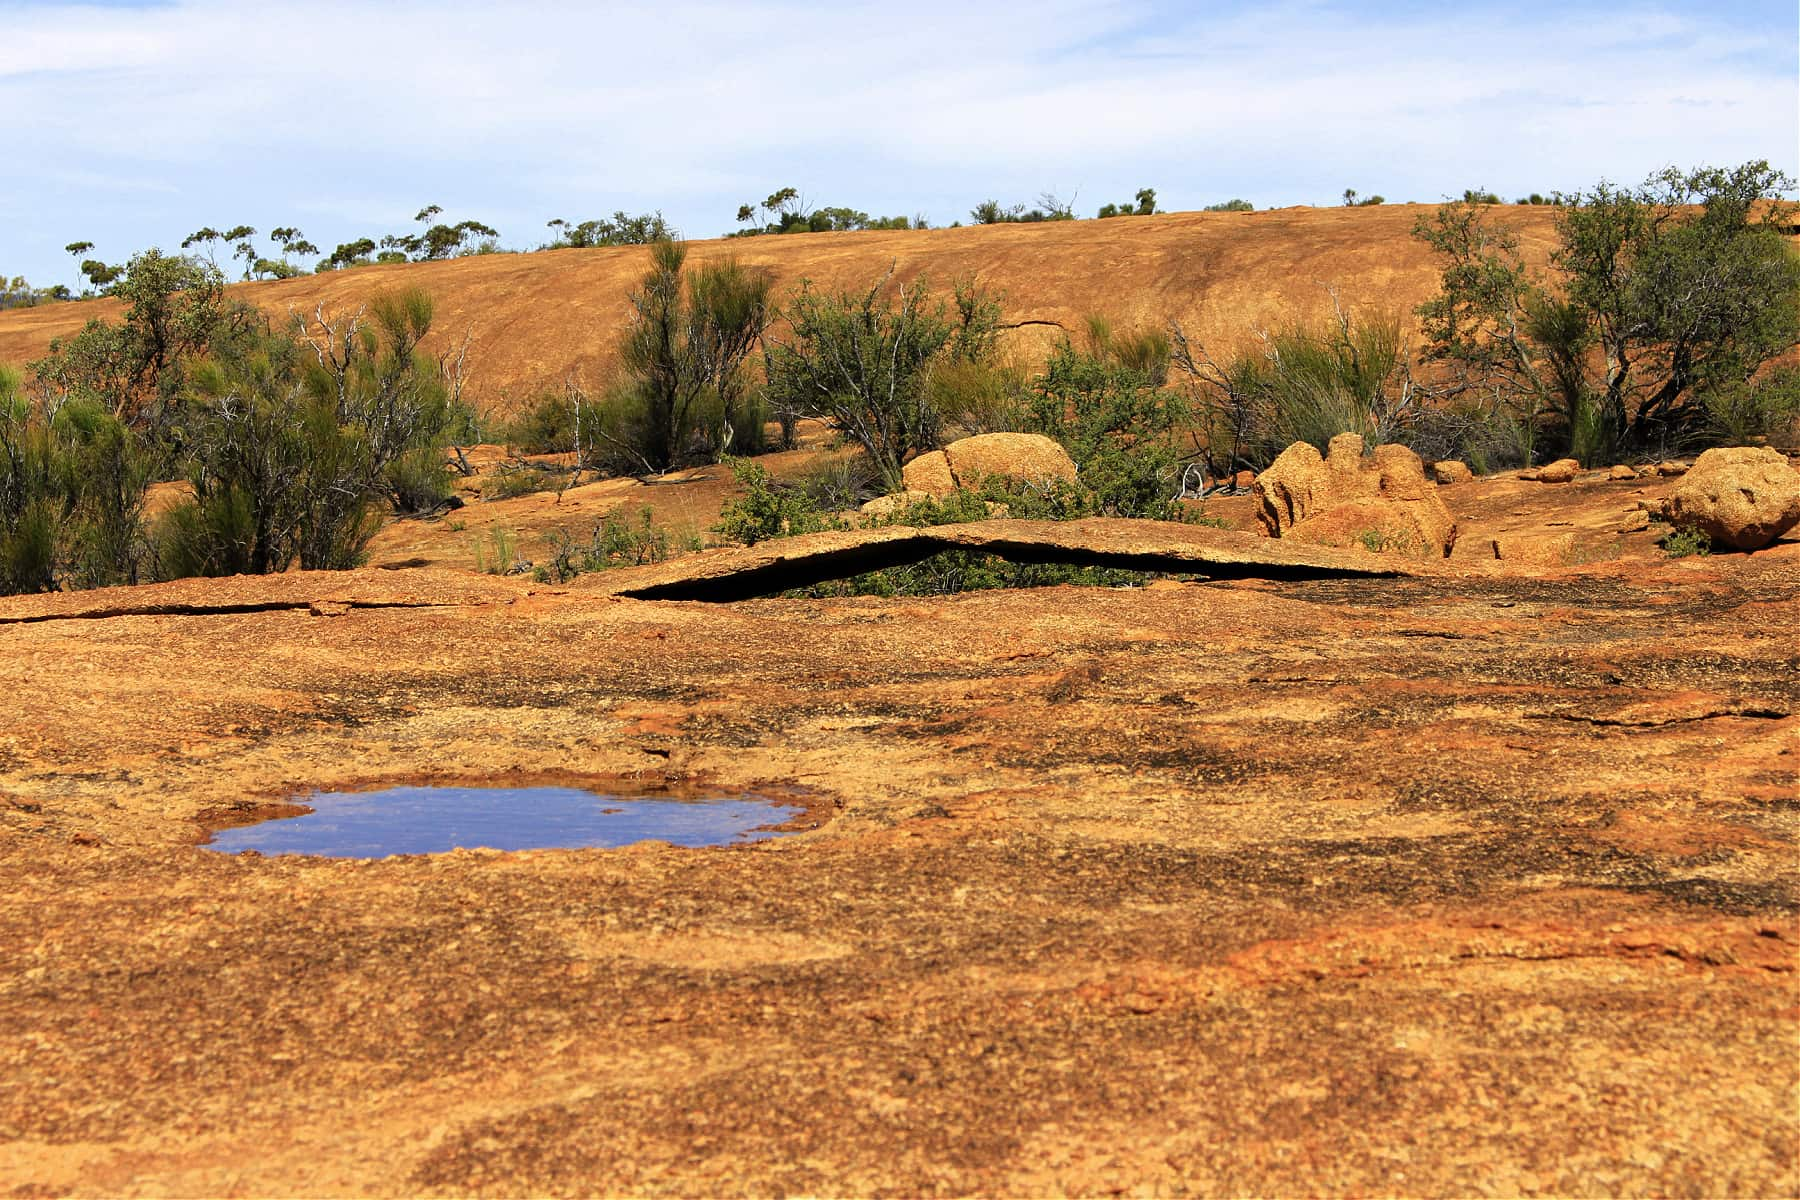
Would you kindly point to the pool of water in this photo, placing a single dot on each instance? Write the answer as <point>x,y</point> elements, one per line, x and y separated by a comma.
<point>432,820</point>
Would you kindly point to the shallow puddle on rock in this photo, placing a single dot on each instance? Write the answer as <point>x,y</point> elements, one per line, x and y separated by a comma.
<point>432,820</point>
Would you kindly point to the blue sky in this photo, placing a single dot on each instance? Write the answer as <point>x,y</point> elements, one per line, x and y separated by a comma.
<point>131,125</point>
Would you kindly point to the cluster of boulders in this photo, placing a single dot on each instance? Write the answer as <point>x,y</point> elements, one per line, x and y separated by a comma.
<point>1744,497</point>
<point>1382,501</point>
<point>1666,469</point>
<point>1563,470</point>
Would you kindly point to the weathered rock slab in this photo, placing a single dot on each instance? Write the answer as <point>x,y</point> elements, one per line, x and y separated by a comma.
<point>1261,886</point>
<point>769,567</point>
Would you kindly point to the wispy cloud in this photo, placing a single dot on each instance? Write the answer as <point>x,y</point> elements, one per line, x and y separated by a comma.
<point>133,125</point>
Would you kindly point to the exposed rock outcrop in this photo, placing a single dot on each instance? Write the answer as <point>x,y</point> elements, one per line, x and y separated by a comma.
<point>1561,471</point>
<point>1449,470</point>
<point>929,474</point>
<point>1742,496</point>
<point>1383,502</point>
<point>1025,457</point>
<point>1291,489</point>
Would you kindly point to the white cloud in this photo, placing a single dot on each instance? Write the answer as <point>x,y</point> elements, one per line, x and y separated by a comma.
<point>141,123</point>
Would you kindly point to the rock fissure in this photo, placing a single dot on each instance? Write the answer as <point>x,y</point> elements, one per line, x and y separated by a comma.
<point>321,607</point>
<point>1753,713</point>
<point>769,568</point>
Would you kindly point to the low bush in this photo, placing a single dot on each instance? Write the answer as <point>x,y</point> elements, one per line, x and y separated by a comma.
<point>1686,543</point>
<point>841,482</point>
<point>864,362</point>
<point>616,541</point>
<point>973,397</point>
<point>1055,500</point>
<point>1749,412</point>
<point>292,441</point>
<point>1484,436</point>
<point>419,482</point>
<point>955,571</point>
<point>771,509</point>
<point>511,481</point>
<point>1117,426</point>
<point>548,426</point>
<point>1303,384</point>
<point>71,495</point>
<point>1144,351</point>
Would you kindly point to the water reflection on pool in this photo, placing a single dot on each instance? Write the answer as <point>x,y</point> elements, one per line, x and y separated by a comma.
<point>431,820</point>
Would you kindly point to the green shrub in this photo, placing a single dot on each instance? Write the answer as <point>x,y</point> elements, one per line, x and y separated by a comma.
<point>215,538</point>
<point>1588,437</point>
<point>28,549</point>
<point>1686,543</point>
<point>1303,385</point>
<point>1744,412</point>
<point>770,509</point>
<point>953,571</point>
<point>419,482</point>
<point>547,427</point>
<point>71,495</point>
<point>605,433</point>
<point>864,361</point>
<point>1479,434</point>
<point>289,441</point>
<point>973,397</point>
<point>1054,500</point>
<point>683,357</point>
<point>1347,380</point>
<point>840,482</point>
<point>1117,426</point>
<point>1142,351</point>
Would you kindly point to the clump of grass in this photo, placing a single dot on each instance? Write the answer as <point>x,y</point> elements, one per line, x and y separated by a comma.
<point>616,541</point>
<point>499,555</point>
